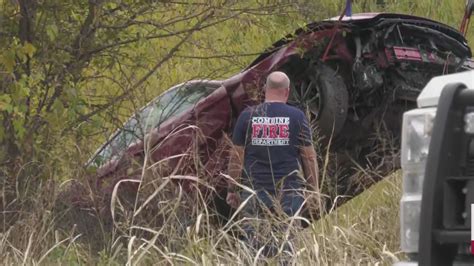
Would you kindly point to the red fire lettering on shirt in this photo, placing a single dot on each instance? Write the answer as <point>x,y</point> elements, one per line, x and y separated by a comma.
<point>273,131</point>
<point>256,130</point>
<point>283,131</point>
<point>265,131</point>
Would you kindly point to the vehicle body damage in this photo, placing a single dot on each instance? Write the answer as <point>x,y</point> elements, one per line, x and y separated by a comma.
<point>354,77</point>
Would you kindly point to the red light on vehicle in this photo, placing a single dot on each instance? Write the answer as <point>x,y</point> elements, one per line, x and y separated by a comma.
<point>472,230</point>
<point>407,53</point>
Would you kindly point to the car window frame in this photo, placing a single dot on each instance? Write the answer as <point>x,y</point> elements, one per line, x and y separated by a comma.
<point>188,85</point>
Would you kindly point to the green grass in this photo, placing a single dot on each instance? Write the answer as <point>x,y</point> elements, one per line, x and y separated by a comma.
<point>365,229</point>
<point>375,200</point>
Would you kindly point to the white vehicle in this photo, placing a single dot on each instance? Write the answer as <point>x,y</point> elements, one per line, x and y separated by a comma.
<point>438,173</point>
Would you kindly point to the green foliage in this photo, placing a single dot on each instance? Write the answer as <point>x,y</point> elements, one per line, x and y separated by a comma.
<point>74,68</point>
<point>66,255</point>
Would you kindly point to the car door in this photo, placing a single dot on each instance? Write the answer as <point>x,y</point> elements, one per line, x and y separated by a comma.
<point>189,140</point>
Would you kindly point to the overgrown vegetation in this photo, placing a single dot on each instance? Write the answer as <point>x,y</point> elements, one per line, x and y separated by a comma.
<point>72,71</point>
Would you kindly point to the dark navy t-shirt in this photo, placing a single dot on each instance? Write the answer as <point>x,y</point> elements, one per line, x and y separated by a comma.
<point>271,134</point>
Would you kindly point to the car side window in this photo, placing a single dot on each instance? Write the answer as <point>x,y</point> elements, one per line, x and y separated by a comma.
<point>170,104</point>
<point>174,103</point>
<point>124,137</point>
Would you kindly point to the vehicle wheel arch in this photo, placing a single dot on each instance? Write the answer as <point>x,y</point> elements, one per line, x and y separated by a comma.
<point>330,110</point>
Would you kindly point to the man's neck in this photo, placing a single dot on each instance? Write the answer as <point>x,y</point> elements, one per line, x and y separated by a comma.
<point>274,101</point>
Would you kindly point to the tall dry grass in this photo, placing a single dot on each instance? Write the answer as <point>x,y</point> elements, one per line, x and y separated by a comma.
<point>163,224</point>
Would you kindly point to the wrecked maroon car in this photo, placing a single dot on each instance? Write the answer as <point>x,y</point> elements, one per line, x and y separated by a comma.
<point>354,77</point>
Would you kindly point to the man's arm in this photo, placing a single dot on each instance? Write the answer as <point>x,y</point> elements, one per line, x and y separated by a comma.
<point>236,163</point>
<point>310,166</point>
<point>308,155</point>
<point>236,158</point>
<point>311,173</point>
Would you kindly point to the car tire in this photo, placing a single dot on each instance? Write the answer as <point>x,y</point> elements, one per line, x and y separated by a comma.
<point>333,90</point>
<point>328,98</point>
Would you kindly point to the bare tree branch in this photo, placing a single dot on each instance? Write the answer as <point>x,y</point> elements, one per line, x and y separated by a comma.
<point>140,82</point>
<point>158,36</point>
<point>82,41</point>
<point>27,13</point>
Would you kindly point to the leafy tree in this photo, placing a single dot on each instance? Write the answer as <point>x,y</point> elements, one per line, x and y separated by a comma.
<point>72,70</point>
<point>68,62</point>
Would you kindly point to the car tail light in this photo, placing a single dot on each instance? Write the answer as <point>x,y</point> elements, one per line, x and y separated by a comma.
<point>416,135</point>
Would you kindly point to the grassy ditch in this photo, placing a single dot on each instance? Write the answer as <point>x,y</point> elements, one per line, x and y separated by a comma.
<point>178,229</point>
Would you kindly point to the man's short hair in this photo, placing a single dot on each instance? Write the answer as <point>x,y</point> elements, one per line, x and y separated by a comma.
<point>277,80</point>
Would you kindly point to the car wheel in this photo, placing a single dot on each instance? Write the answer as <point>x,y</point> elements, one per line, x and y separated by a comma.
<point>322,94</point>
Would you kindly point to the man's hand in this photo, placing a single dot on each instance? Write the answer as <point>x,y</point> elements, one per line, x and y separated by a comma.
<point>314,204</point>
<point>233,199</point>
<point>236,162</point>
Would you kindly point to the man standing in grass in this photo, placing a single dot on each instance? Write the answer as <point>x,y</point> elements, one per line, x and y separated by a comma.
<point>271,142</point>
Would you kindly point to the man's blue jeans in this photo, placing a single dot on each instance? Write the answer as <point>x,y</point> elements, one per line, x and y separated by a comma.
<point>263,202</point>
<point>290,201</point>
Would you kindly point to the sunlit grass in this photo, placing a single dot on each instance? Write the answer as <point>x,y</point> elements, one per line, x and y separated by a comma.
<point>164,225</point>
